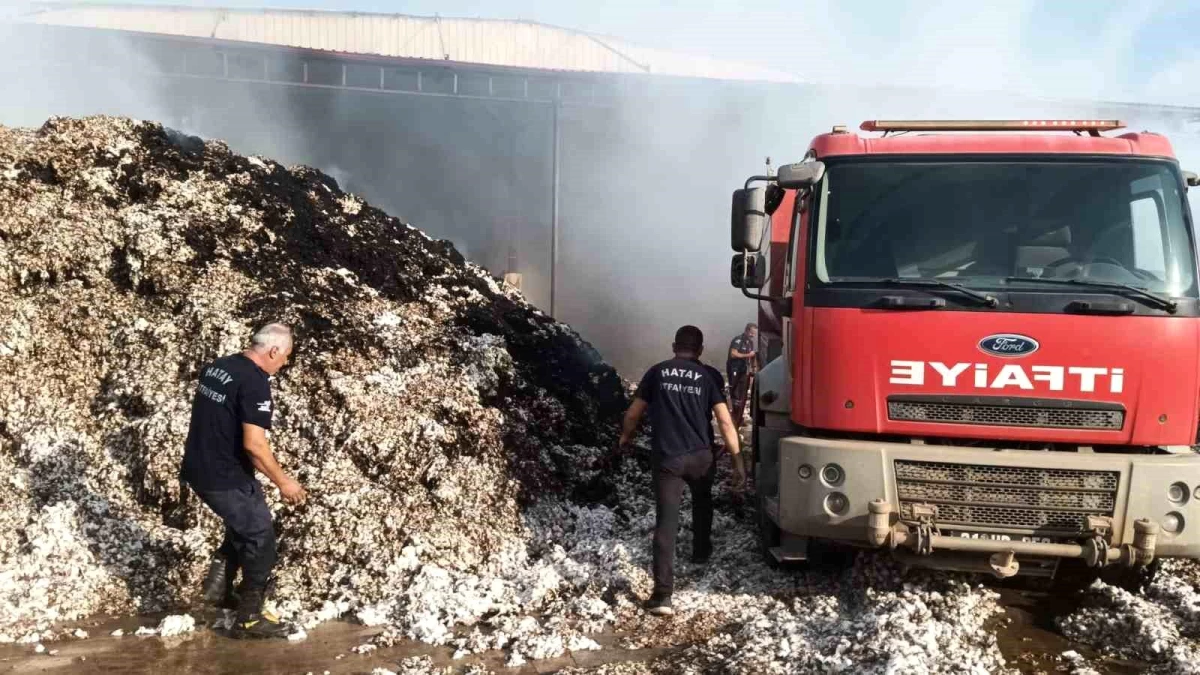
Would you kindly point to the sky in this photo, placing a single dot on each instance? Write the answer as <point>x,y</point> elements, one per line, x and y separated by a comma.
<point>1143,52</point>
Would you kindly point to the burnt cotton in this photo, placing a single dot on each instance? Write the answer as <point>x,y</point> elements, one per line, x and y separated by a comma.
<point>426,407</point>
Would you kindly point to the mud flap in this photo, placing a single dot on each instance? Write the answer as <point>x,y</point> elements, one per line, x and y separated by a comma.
<point>791,549</point>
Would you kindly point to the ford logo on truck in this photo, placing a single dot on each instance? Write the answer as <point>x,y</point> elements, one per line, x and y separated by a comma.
<point>1008,345</point>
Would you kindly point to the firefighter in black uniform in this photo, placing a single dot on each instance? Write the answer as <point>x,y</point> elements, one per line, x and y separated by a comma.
<point>682,395</point>
<point>226,442</point>
<point>740,366</point>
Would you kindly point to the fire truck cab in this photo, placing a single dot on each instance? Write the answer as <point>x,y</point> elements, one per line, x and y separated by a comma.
<point>983,344</point>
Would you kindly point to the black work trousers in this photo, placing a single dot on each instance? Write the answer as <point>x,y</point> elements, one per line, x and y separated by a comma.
<point>696,470</point>
<point>249,533</point>
<point>739,391</point>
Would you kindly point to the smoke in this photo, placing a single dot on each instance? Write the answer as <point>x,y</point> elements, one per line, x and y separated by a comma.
<point>35,88</point>
<point>645,177</point>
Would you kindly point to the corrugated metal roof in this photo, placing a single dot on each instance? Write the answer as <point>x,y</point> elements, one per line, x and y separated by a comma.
<point>519,44</point>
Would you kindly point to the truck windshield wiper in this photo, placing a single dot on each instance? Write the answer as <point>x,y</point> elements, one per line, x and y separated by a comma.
<point>982,298</point>
<point>1154,298</point>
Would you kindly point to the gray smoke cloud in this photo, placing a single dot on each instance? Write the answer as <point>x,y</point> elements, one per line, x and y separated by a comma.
<point>645,179</point>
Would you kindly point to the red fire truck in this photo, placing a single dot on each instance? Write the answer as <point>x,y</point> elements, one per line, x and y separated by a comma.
<point>983,344</point>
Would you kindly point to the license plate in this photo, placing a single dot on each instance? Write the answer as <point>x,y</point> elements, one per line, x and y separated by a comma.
<point>998,536</point>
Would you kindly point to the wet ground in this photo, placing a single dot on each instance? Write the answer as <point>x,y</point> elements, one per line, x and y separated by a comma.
<point>328,648</point>
<point>1030,641</point>
<point>1027,636</point>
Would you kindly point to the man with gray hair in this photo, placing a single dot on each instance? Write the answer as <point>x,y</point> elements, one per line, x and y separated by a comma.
<point>226,442</point>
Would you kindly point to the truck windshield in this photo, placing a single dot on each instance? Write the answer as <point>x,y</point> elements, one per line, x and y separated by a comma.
<point>982,223</point>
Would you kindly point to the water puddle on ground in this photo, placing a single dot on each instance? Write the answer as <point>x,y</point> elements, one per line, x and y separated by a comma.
<point>327,648</point>
<point>1029,638</point>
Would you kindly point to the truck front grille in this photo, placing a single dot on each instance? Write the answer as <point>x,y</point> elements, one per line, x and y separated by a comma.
<point>1007,412</point>
<point>1006,496</point>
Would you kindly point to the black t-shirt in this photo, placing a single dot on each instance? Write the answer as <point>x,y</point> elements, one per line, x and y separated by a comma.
<point>232,390</point>
<point>681,394</point>
<point>743,344</point>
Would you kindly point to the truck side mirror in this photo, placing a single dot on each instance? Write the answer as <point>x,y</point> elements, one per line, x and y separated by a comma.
<point>1191,178</point>
<point>748,268</point>
<point>748,219</point>
<point>800,175</point>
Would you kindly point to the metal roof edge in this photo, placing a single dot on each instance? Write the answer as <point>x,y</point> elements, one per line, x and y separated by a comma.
<point>614,44</point>
<point>53,4</point>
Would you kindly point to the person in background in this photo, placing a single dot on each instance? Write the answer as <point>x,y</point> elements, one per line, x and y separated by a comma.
<point>682,395</point>
<point>740,366</point>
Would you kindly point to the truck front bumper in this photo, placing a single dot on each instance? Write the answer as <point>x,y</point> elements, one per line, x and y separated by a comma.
<point>1105,508</point>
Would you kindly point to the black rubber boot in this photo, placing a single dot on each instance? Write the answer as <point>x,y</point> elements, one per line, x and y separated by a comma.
<point>659,604</point>
<point>252,622</point>
<point>218,583</point>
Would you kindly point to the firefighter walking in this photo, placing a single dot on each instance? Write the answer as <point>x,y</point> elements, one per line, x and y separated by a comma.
<point>682,395</point>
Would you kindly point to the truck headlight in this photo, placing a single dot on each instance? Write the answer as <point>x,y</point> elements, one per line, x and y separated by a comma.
<point>836,503</point>
<point>832,474</point>
<point>1172,523</point>
<point>1177,493</point>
